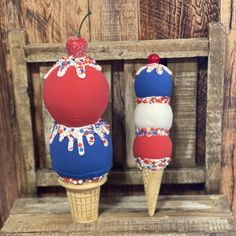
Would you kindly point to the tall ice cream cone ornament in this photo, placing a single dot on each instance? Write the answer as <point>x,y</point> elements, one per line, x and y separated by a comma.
<point>153,119</point>
<point>75,92</point>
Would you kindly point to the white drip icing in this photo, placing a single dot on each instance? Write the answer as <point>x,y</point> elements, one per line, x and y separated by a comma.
<point>101,128</point>
<point>78,63</point>
<point>154,66</point>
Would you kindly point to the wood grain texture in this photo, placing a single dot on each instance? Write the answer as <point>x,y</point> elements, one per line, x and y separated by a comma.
<point>47,122</point>
<point>183,104</point>
<point>228,180</point>
<point>183,214</point>
<point>214,109</point>
<point>114,50</point>
<point>130,68</point>
<point>177,19</point>
<point>8,186</point>
<point>194,175</point>
<point>114,20</point>
<point>52,21</point>
<point>23,113</point>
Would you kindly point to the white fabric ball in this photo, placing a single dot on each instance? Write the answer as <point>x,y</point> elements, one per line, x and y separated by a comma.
<point>154,115</point>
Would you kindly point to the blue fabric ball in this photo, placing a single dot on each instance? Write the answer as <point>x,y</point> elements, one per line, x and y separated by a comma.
<point>96,161</point>
<point>148,84</point>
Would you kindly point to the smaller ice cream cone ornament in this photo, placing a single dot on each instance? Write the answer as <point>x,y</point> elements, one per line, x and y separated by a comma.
<point>153,119</point>
<point>75,92</point>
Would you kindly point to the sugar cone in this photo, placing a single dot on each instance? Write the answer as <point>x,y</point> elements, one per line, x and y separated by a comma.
<point>152,183</point>
<point>83,200</point>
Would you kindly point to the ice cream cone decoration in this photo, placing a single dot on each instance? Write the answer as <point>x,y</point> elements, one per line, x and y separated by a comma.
<point>76,95</point>
<point>153,119</point>
<point>83,200</point>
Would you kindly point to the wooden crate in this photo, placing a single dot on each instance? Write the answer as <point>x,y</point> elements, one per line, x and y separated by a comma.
<point>120,61</point>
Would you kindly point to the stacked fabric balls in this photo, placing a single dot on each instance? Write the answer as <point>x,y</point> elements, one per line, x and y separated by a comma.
<point>153,119</point>
<point>76,95</point>
<point>153,115</point>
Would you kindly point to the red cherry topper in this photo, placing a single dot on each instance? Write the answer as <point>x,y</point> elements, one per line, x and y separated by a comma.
<point>76,46</point>
<point>153,58</point>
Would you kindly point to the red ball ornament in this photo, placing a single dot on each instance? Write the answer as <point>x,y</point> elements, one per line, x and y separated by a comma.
<point>73,101</point>
<point>154,147</point>
<point>153,58</point>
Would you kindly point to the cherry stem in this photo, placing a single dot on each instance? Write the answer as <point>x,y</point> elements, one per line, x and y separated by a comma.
<point>88,14</point>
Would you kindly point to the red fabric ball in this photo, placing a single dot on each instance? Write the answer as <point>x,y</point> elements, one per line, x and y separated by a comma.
<point>154,147</point>
<point>73,101</point>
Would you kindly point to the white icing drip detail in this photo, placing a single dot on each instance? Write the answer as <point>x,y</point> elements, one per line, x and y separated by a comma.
<point>78,63</point>
<point>101,128</point>
<point>154,66</point>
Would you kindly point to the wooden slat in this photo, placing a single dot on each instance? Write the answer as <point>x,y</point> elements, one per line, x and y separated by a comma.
<point>130,69</point>
<point>47,122</point>
<point>228,172</point>
<point>215,87</point>
<point>194,175</point>
<point>126,215</point>
<point>110,50</point>
<point>19,70</point>
<point>114,20</point>
<point>183,104</point>
<point>106,69</point>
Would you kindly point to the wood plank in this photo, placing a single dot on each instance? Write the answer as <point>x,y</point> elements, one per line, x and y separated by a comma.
<point>106,69</point>
<point>228,180</point>
<point>130,69</point>
<point>194,175</point>
<point>47,123</point>
<point>177,19</point>
<point>23,113</point>
<point>215,86</point>
<point>8,186</point>
<point>52,21</point>
<point>127,215</point>
<point>114,20</point>
<point>176,48</point>
<point>183,104</point>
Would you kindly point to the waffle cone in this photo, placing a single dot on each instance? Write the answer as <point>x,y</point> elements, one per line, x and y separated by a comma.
<point>83,200</point>
<point>152,183</point>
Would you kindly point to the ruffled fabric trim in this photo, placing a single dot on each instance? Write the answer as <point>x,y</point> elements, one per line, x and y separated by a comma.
<point>159,68</point>
<point>150,100</point>
<point>81,181</point>
<point>153,164</point>
<point>101,128</point>
<point>152,132</point>
<point>78,63</point>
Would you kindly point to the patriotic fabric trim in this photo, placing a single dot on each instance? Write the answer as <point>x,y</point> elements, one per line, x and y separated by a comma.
<point>79,63</point>
<point>153,164</point>
<point>152,132</point>
<point>101,128</point>
<point>81,181</point>
<point>159,68</point>
<point>159,99</point>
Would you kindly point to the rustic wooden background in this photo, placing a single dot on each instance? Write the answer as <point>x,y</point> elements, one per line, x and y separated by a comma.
<point>53,20</point>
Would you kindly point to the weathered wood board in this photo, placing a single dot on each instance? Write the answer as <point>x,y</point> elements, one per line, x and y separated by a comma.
<point>194,175</point>
<point>126,215</point>
<point>183,103</point>
<point>126,50</point>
